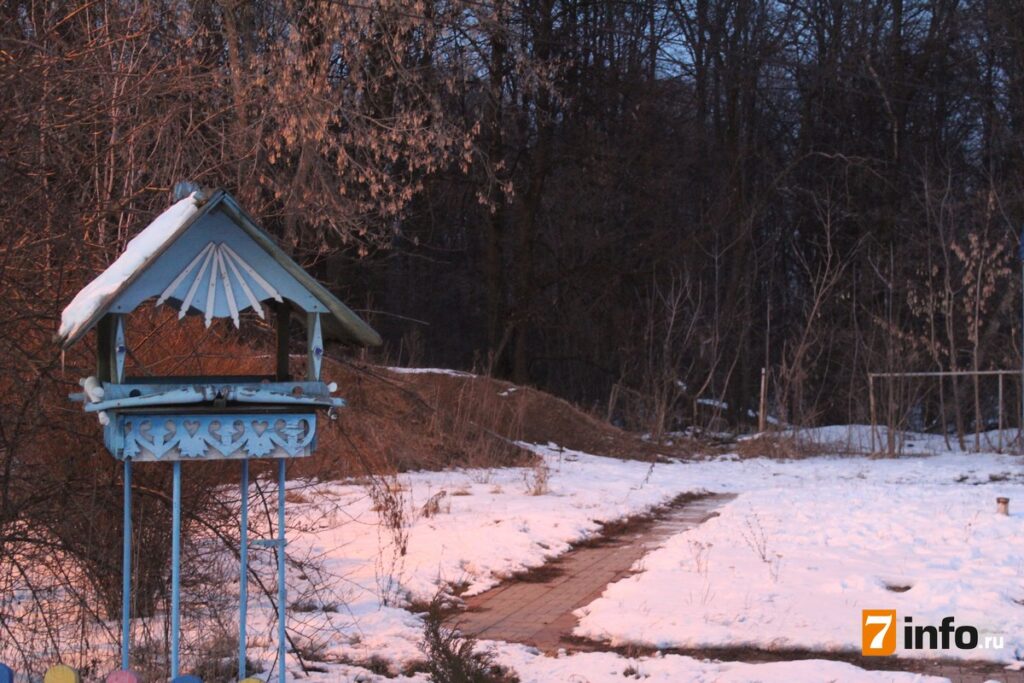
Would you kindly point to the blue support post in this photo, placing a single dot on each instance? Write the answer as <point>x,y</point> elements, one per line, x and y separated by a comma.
<point>126,567</point>
<point>243,560</point>
<point>120,349</point>
<point>282,594</point>
<point>175,568</point>
<point>315,351</point>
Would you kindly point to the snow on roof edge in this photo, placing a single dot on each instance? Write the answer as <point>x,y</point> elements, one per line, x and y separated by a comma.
<point>137,253</point>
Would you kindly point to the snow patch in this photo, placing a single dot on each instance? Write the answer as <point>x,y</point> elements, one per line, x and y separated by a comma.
<point>430,371</point>
<point>605,666</point>
<point>795,558</point>
<point>140,249</point>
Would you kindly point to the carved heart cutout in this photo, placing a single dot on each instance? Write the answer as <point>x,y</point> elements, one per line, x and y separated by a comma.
<point>191,426</point>
<point>260,426</point>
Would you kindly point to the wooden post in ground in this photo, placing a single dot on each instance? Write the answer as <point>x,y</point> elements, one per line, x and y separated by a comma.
<point>977,415</point>
<point>942,410</point>
<point>890,418</point>
<point>871,407</point>
<point>762,414</point>
<point>1000,413</point>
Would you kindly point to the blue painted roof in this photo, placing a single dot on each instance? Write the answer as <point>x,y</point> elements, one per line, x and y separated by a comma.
<point>206,256</point>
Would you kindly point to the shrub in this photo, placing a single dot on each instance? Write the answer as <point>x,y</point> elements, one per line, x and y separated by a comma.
<point>453,657</point>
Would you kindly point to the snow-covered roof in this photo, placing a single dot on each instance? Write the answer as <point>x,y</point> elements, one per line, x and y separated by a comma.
<point>79,313</point>
<point>98,297</point>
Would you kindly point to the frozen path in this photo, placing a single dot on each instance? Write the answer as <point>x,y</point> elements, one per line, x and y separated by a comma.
<point>538,610</point>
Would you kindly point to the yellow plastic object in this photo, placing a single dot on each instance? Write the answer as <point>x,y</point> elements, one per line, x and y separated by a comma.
<point>250,680</point>
<point>61,674</point>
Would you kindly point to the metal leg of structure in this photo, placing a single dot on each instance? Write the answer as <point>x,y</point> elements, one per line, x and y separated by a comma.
<point>126,566</point>
<point>243,559</point>
<point>175,568</point>
<point>282,594</point>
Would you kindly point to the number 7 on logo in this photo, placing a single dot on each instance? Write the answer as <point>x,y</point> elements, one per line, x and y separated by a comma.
<point>878,634</point>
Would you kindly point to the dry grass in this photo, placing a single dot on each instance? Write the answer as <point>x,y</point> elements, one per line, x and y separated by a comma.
<point>788,446</point>
<point>435,505</point>
<point>392,424</point>
<point>520,412</point>
<point>401,422</point>
<point>537,478</point>
<point>452,657</point>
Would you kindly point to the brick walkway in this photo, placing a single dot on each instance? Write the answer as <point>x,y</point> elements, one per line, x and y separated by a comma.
<point>538,609</point>
<point>540,612</point>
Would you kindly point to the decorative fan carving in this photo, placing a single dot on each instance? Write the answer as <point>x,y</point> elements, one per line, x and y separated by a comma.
<point>222,270</point>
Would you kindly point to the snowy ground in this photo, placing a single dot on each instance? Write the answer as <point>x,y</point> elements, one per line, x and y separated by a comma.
<point>792,561</point>
<point>487,527</point>
<point>789,564</point>
<point>602,666</point>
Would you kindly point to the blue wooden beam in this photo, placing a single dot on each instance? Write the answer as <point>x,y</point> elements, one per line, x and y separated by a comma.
<point>315,352</point>
<point>282,589</point>
<point>126,567</point>
<point>176,568</point>
<point>120,349</point>
<point>129,396</point>
<point>243,559</point>
<point>178,396</point>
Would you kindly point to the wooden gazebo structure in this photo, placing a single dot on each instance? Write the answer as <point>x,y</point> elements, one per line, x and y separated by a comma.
<point>205,256</point>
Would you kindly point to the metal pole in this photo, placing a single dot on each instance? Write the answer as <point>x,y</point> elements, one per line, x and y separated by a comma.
<point>175,568</point>
<point>1000,413</point>
<point>977,416</point>
<point>282,595</point>
<point>243,559</point>
<point>762,411</point>
<point>126,566</point>
<point>871,408</point>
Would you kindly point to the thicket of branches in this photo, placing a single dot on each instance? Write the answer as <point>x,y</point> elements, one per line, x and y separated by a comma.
<point>709,187</point>
<point>607,199</point>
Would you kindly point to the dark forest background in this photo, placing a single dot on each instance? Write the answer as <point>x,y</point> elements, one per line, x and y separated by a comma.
<point>636,205</point>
